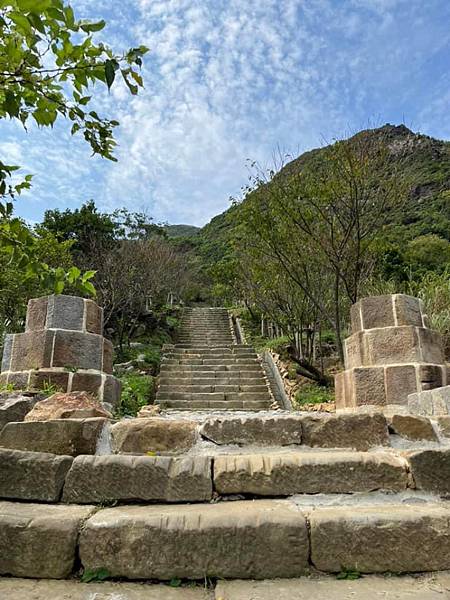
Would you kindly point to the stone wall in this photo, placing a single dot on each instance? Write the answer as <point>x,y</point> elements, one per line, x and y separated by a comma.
<point>63,345</point>
<point>391,353</point>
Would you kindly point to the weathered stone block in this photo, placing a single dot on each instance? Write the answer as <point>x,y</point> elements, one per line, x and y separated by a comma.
<point>79,350</point>
<point>368,386</point>
<point>444,425</point>
<point>14,406</point>
<point>400,382</point>
<point>36,314</point>
<point>377,311</point>
<point>393,345</point>
<point>67,405</point>
<point>32,350</point>
<point>62,436</point>
<point>88,382</point>
<point>430,376</point>
<point>140,436</point>
<point>377,539</point>
<point>94,317</point>
<point>431,470</point>
<point>413,427</point>
<point>408,310</point>
<point>95,479</point>
<point>431,346</point>
<point>260,431</point>
<point>355,317</point>
<point>32,475</point>
<point>39,541</point>
<point>7,352</point>
<point>355,351</point>
<point>20,380</point>
<point>112,388</point>
<point>303,472</point>
<point>59,379</point>
<point>358,431</point>
<point>65,312</point>
<point>108,353</point>
<point>342,390</point>
<point>231,539</point>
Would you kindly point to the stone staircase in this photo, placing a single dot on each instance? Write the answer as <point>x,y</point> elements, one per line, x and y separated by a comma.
<point>207,370</point>
<point>219,491</point>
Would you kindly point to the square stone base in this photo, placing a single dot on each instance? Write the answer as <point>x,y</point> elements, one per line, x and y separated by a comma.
<point>386,385</point>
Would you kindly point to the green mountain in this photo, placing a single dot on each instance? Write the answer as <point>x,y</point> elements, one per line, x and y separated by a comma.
<point>181,231</point>
<point>423,159</point>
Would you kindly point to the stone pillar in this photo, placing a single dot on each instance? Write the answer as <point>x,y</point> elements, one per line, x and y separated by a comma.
<point>63,345</point>
<point>391,353</point>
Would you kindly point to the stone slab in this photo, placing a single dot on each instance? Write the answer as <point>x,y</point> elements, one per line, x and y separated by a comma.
<point>14,407</point>
<point>94,479</point>
<point>434,586</point>
<point>280,431</point>
<point>265,538</point>
<point>297,472</point>
<point>375,539</point>
<point>32,475</point>
<point>32,589</point>
<point>358,431</point>
<point>61,436</point>
<point>31,350</point>
<point>142,435</point>
<point>38,540</point>
<point>77,350</point>
<point>65,312</point>
<point>431,470</point>
<point>413,428</point>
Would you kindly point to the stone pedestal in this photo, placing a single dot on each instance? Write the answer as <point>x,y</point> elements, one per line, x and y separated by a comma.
<point>391,353</point>
<point>62,346</point>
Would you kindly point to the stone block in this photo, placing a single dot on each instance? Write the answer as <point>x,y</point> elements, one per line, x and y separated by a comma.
<point>59,379</point>
<point>355,317</point>
<point>32,475</point>
<point>408,310</point>
<point>39,540</point>
<point>7,352</point>
<point>421,404</point>
<point>256,540</point>
<point>87,382</point>
<point>67,405</point>
<point>78,350</point>
<point>355,351</point>
<point>430,376</point>
<point>20,380</point>
<point>63,436</point>
<point>358,431</point>
<point>139,436</point>
<point>368,386</point>
<point>413,427</point>
<point>444,425</point>
<point>36,314</point>
<point>441,400</point>
<point>108,353</point>
<point>112,389</point>
<point>259,431</point>
<point>94,317</point>
<point>94,479</point>
<point>376,539</point>
<point>300,472</point>
<point>431,471</point>
<point>341,389</point>
<point>400,382</point>
<point>32,350</point>
<point>377,311</point>
<point>65,312</point>
<point>393,345</point>
<point>14,407</point>
<point>431,346</point>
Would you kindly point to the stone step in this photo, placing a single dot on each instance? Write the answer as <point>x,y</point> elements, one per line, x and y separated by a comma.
<point>214,405</point>
<point>194,388</point>
<point>256,367</point>
<point>210,361</point>
<point>212,396</point>
<point>210,353</point>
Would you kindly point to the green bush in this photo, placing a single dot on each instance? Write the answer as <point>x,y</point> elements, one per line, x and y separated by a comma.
<point>137,391</point>
<point>314,394</point>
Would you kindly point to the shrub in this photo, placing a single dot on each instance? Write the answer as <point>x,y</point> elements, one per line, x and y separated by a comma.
<point>314,394</point>
<point>137,391</point>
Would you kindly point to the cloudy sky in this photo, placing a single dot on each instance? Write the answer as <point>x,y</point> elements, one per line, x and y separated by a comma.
<point>229,81</point>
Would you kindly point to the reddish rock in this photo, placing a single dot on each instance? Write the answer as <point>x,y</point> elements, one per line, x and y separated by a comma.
<point>70,405</point>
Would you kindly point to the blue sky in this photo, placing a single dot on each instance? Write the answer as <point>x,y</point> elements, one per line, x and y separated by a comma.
<point>232,80</point>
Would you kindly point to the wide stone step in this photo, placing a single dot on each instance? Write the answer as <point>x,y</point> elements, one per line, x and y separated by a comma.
<point>225,368</point>
<point>195,388</point>
<point>209,379</point>
<point>214,405</point>
<point>210,361</point>
<point>214,396</point>
<point>300,472</point>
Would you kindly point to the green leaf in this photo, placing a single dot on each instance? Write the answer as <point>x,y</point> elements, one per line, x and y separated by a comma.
<point>95,575</point>
<point>11,104</point>
<point>59,287</point>
<point>35,6</point>
<point>88,275</point>
<point>110,72</point>
<point>73,274</point>
<point>91,27</point>
<point>175,582</point>
<point>88,288</point>
<point>21,21</point>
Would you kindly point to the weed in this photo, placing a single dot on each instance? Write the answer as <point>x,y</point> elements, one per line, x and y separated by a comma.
<point>348,574</point>
<point>314,394</point>
<point>93,575</point>
<point>137,391</point>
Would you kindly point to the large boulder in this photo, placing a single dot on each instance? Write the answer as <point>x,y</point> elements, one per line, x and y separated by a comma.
<point>140,436</point>
<point>67,405</point>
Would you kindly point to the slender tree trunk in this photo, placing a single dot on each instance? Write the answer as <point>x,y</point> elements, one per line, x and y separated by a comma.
<point>337,319</point>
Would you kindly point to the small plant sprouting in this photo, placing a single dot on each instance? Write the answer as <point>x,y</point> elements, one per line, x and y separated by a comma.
<point>348,574</point>
<point>93,575</point>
